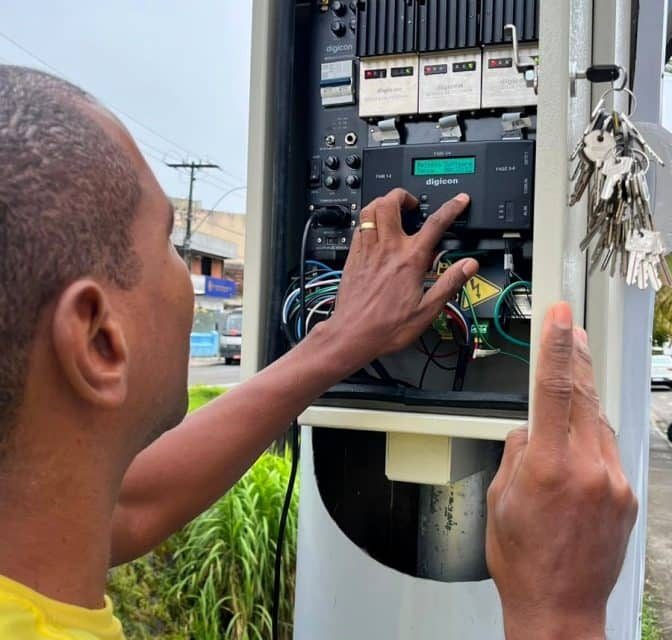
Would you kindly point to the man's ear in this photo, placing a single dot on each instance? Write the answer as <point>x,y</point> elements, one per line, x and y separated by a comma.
<point>90,345</point>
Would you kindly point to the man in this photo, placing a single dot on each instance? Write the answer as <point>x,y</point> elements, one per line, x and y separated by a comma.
<point>95,314</point>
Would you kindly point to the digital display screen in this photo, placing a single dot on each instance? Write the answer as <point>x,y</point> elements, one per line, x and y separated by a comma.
<point>444,166</point>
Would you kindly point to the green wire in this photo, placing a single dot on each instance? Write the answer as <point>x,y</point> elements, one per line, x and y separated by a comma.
<point>498,307</point>
<point>482,336</point>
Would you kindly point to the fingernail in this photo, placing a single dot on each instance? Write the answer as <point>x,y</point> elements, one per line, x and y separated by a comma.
<point>469,268</point>
<point>462,197</point>
<point>581,335</point>
<point>562,316</point>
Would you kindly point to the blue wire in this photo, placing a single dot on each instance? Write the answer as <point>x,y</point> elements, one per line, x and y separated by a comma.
<point>319,264</point>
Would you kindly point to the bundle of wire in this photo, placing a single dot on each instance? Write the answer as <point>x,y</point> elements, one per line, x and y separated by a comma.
<point>506,302</point>
<point>321,289</point>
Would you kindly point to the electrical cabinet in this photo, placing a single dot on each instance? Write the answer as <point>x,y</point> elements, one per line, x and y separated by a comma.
<point>352,99</point>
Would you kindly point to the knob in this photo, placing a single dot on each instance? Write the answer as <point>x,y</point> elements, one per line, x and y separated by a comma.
<point>353,161</point>
<point>352,181</point>
<point>338,28</point>
<point>332,162</point>
<point>338,8</point>
<point>331,182</point>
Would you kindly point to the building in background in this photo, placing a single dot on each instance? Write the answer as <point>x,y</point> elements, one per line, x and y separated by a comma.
<point>217,254</point>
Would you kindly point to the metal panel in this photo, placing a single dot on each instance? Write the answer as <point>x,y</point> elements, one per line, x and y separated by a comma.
<point>341,592</point>
<point>447,24</point>
<point>259,201</point>
<point>621,341</point>
<point>385,27</point>
<point>403,422</point>
<point>495,14</point>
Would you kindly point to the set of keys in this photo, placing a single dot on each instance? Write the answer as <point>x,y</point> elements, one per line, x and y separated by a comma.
<point>612,161</point>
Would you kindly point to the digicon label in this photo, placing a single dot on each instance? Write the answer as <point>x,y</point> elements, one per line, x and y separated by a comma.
<point>339,48</point>
<point>439,182</point>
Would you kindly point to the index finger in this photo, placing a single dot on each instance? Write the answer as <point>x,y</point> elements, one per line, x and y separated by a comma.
<point>553,380</point>
<point>439,222</point>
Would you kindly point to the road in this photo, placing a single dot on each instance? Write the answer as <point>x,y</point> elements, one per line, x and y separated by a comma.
<point>211,372</point>
<point>659,545</point>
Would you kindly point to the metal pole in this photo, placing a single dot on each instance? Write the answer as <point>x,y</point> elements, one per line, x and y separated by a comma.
<point>187,235</point>
<point>192,166</point>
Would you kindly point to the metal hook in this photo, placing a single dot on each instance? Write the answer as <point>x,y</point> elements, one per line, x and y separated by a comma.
<point>528,67</point>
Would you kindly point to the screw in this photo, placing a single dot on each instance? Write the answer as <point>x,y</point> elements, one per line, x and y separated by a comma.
<point>353,207</point>
<point>311,207</point>
<point>319,241</point>
<point>343,240</point>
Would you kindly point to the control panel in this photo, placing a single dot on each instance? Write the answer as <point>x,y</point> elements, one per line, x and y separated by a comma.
<point>426,95</point>
<point>498,175</point>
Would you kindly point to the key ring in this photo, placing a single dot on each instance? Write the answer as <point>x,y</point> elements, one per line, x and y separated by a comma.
<point>639,152</point>
<point>626,90</point>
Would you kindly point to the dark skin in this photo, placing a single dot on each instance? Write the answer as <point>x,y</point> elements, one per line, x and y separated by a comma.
<point>98,391</point>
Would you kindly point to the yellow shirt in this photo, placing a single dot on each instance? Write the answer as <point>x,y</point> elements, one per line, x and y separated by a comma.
<point>28,615</point>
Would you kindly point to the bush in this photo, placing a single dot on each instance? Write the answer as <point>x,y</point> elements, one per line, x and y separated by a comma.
<point>200,395</point>
<point>213,580</point>
<point>650,627</point>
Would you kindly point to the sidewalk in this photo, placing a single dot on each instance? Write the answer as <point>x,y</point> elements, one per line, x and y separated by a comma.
<point>659,541</point>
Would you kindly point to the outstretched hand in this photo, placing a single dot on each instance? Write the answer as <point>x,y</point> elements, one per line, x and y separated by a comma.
<point>560,509</point>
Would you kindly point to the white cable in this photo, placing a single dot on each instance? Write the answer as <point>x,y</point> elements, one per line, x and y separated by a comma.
<point>294,294</point>
<point>463,322</point>
<point>316,307</point>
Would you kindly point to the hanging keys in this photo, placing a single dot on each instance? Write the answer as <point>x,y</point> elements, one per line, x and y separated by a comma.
<point>612,163</point>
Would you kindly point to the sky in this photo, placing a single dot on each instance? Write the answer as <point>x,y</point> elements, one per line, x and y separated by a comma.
<point>176,72</point>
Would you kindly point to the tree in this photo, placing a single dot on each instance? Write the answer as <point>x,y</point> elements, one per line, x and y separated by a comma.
<point>662,315</point>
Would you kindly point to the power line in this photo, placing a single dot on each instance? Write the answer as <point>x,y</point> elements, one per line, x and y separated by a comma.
<point>193,166</point>
<point>43,62</point>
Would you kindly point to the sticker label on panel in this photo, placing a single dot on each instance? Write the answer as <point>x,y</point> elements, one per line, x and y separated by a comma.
<point>450,82</point>
<point>503,84</point>
<point>479,291</point>
<point>388,86</point>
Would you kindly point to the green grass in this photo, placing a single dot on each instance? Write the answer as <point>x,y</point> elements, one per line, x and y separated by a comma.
<point>200,395</point>
<point>650,627</point>
<point>213,580</point>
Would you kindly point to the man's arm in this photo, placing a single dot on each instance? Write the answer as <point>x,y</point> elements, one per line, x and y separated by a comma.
<point>381,308</point>
<point>560,509</point>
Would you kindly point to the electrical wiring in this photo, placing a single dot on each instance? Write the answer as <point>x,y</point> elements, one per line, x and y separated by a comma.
<point>282,528</point>
<point>483,338</point>
<point>314,310</point>
<point>302,269</point>
<point>431,360</point>
<point>522,284</point>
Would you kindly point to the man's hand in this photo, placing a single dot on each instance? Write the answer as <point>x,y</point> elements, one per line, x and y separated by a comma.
<point>382,306</point>
<point>560,509</point>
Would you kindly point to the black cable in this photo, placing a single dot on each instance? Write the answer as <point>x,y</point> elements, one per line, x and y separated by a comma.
<point>275,610</point>
<point>431,360</point>
<point>302,274</point>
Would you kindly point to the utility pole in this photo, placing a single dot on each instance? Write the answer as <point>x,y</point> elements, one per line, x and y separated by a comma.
<point>192,166</point>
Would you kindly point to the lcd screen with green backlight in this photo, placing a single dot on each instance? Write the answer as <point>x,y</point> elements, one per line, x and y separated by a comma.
<point>444,166</point>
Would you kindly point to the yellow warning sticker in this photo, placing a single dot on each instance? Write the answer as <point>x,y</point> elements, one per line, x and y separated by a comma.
<point>479,291</point>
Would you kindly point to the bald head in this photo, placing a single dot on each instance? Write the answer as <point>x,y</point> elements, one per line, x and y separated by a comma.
<point>68,197</point>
